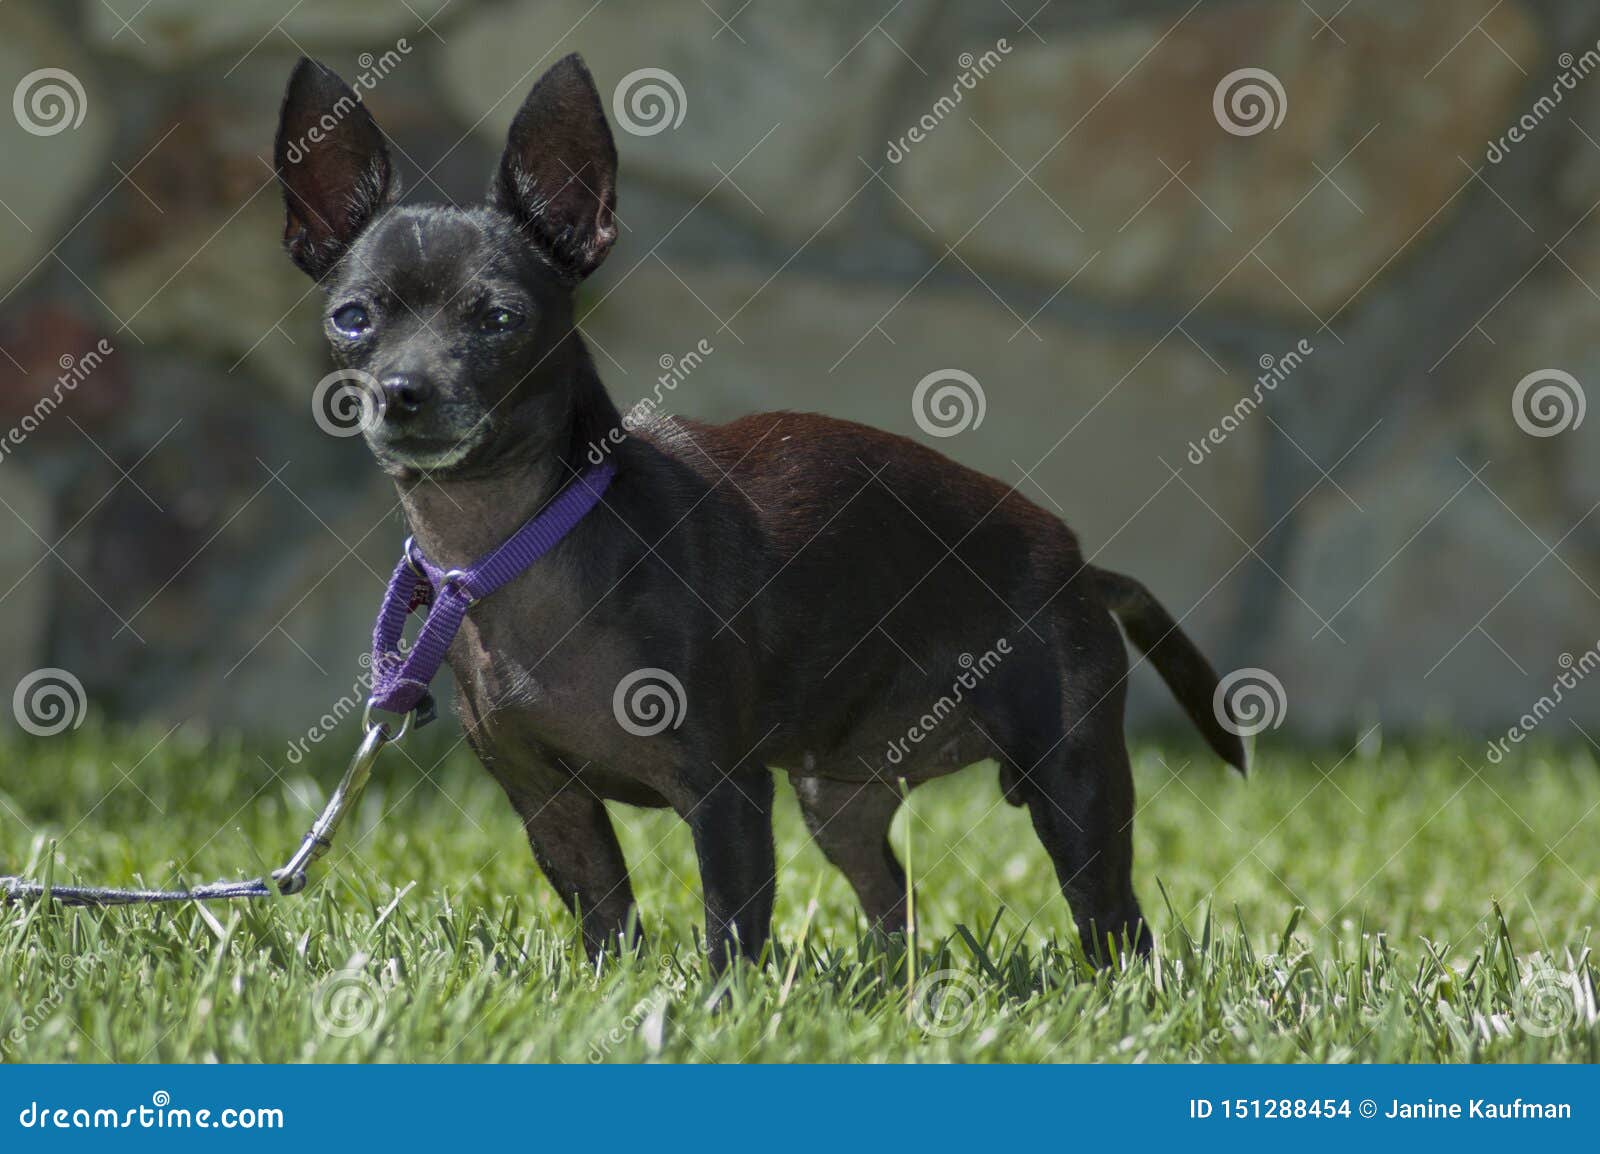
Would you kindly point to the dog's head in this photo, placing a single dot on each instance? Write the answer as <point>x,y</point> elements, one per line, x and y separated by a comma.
<point>460,316</point>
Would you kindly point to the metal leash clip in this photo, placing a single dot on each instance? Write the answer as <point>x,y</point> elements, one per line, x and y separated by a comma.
<point>290,879</point>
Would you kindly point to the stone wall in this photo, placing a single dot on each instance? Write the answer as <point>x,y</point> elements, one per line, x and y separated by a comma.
<point>1257,335</point>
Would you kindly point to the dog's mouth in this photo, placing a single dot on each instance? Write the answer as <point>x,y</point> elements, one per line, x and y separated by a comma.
<point>428,451</point>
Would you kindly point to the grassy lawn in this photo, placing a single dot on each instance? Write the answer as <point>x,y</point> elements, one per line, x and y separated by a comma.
<point>1390,906</point>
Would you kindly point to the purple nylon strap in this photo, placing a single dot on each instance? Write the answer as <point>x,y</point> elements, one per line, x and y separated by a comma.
<point>399,682</point>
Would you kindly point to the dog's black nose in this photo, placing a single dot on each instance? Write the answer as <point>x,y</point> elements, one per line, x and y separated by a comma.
<point>405,394</point>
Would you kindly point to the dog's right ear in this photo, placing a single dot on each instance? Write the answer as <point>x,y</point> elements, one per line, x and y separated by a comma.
<point>333,165</point>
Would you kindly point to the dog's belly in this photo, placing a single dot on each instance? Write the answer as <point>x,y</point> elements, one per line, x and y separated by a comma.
<point>546,699</point>
<point>911,752</point>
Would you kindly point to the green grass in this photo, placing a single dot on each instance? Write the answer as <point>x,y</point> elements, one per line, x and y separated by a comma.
<point>1392,906</point>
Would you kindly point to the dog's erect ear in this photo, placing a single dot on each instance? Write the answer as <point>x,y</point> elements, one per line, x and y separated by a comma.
<point>333,165</point>
<point>558,176</point>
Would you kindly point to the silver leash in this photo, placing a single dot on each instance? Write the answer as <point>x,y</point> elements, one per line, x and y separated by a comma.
<point>289,879</point>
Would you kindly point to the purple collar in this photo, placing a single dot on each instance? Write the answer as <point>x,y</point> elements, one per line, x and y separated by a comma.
<point>400,682</point>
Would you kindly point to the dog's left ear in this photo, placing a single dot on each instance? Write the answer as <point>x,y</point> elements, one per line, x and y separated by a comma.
<point>558,176</point>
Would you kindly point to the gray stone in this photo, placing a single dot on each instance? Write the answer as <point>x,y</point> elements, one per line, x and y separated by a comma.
<point>1447,609</point>
<point>1545,326</point>
<point>1136,173</point>
<point>1457,611</point>
<point>223,288</point>
<point>295,652</point>
<point>164,33</point>
<point>24,582</point>
<point>802,89</point>
<point>49,170</point>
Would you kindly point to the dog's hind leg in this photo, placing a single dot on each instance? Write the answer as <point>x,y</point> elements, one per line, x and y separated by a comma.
<point>850,822</point>
<point>1061,733</point>
<point>1082,811</point>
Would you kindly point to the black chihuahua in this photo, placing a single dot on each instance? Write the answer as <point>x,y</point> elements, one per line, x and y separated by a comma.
<point>816,588</point>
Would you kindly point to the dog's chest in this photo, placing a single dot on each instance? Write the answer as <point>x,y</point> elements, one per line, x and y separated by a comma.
<point>538,676</point>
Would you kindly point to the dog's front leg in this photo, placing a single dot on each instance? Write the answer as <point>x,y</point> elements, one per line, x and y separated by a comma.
<point>568,829</point>
<point>732,828</point>
<point>576,846</point>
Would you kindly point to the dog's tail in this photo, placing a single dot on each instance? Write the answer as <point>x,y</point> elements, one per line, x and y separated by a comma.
<point>1182,666</point>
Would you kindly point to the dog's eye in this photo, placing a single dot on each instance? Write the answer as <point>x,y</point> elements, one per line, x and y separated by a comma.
<point>499,321</point>
<point>352,320</point>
